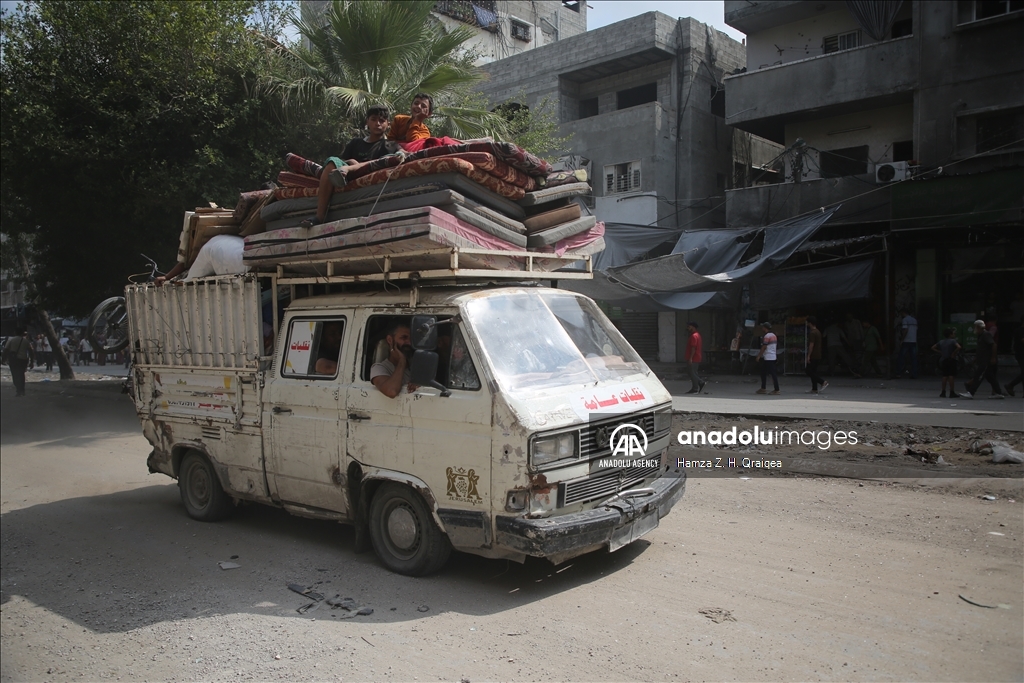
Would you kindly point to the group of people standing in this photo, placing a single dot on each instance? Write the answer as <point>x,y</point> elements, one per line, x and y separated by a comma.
<point>857,345</point>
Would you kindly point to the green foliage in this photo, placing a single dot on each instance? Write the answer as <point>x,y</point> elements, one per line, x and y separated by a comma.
<point>535,128</point>
<point>115,118</point>
<point>366,53</point>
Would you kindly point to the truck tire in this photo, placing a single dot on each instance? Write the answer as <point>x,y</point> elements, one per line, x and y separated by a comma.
<point>201,492</point>
<point>403,532</point>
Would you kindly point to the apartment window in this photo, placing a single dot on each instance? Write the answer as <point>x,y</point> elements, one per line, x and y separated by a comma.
<point>520,30</point>
<point>976,10</point>
<point>993,131</point>
<point>903,27</point>
<point>842,162</point>
<point>717,101</point>
<point>903,151</point>
<point>639,95</point>
<point>840,41</point>
<point>588,107</point>
<point>622,178</point>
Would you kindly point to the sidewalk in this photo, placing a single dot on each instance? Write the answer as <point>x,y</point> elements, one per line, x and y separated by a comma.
<point>903,401</point>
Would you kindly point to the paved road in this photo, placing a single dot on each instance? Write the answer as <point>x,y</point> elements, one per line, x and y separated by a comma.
<point>776,578</point>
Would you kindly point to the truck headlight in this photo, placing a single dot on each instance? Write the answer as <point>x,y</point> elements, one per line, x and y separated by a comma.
<point>663,421</point>
<point>548,449</point>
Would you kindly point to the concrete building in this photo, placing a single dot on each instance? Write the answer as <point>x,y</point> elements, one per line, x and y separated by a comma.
<point>912,115</point>
<point>504,28</point>
<point>643,102</point>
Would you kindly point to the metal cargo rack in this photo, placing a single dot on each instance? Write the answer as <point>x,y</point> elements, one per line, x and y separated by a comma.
<point>429,264</point>
<point>446,265</point>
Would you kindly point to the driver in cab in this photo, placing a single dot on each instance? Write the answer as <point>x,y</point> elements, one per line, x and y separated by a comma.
<point>392,373</point>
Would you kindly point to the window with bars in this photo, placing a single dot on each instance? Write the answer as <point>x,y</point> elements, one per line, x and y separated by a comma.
<point>840,41</point>
<point>520,30</point>
<point>622,178</point>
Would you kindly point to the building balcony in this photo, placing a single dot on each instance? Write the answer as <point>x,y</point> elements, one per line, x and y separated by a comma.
<point>765,204</point>
<point>867,77</point>
<point>751,17</point>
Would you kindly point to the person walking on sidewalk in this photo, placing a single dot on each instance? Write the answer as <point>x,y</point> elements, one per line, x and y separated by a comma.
<point>1018,353</point>
<point>987,362</point>
<point>814,355</point>
<point>872,346</point>
<point>16,354</point>
<point>766,357</point>
<point>948,348</point>
<point>908,345</point>
<point>693,356</point>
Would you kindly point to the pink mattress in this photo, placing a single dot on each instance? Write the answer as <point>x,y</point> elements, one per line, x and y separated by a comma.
<point>397,234</point>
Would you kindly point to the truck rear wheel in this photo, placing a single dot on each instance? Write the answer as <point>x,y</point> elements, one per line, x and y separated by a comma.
<point>403,532</point>
<point>201,492</point>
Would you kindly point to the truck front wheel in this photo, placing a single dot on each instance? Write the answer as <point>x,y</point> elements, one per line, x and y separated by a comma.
<point>403,532</point>
<point>201,492</point>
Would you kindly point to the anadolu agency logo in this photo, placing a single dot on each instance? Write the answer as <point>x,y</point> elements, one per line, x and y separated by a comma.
<point>624,441</point>
<point>628,444</point>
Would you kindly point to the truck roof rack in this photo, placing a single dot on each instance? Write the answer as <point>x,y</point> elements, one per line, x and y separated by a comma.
<point>448,263</point>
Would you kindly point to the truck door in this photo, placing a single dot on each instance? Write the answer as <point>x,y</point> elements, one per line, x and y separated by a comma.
<point>304,399</point>
<point>445,442</point>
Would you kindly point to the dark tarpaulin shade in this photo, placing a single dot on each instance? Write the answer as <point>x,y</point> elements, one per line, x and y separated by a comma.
<point>875,16</point>
<point>718,258</point>
<point>626,241</point>
<point>821,285</point>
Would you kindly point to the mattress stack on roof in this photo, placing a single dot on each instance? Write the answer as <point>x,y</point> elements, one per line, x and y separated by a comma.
<point>492,196</point>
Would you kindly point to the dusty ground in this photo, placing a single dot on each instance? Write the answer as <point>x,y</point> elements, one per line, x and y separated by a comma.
<point>766,578</point>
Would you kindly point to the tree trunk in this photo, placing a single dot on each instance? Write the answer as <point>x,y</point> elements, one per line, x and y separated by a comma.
<point>51,335</point>
<point>66,372</point>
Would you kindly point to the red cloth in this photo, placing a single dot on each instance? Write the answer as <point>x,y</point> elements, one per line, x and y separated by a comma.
<point>693,348</point>
<point>424,143</point>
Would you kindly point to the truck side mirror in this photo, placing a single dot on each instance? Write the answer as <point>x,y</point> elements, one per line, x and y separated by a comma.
<point>424,369</point>
<point>424,333</point>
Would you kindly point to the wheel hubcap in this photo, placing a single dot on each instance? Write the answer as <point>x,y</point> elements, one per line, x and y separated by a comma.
<point>402,528</point>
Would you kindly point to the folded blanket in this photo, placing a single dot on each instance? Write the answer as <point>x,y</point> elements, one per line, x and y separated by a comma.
<point>484,161</point>
<point>506,152</point>
<point>425,167</point>
<point>475,193</point>
<point>289,179</point>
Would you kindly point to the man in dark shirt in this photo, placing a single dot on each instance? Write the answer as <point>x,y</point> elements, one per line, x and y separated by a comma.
<point>986,362</point>
<point>814,355</point>
<point>1018,353</point>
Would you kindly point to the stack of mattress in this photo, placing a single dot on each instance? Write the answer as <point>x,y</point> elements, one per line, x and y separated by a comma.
<point>490,196</point>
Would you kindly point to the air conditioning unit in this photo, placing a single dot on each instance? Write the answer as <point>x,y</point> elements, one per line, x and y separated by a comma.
<point>892,172</point>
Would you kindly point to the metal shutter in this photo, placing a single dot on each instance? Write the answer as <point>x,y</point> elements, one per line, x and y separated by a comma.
<point>641,331</point>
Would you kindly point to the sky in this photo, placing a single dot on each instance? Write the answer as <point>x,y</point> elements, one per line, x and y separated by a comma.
<point>603,12</point>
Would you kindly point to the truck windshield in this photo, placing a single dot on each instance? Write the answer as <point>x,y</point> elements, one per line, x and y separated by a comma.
<point>550,338</point>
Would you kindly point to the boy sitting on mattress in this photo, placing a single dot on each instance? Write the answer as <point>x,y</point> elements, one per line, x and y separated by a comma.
<point>410,127</point>
<point>356,153</point>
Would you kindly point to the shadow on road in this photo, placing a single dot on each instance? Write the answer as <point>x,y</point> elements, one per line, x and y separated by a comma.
<point>77,412</point>
<point>112,563</point>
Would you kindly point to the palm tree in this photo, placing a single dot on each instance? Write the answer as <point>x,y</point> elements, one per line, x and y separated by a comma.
<point>367,52</point>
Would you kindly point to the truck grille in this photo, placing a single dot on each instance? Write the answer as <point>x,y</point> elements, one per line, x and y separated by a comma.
<point>604,483</point>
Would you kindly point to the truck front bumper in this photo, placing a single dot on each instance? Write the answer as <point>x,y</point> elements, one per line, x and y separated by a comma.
<point>613,524</point>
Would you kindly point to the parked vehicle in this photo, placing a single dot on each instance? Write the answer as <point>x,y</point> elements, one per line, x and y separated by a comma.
<point>511,446</point>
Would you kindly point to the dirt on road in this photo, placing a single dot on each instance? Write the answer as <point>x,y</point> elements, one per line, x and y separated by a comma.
<point>762,578</point>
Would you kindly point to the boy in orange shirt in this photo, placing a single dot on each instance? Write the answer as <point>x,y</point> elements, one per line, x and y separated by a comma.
<point>409,127</point>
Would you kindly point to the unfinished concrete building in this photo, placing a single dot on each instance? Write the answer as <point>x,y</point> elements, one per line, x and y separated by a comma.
<point>644,102</point>
<point>910,114</point>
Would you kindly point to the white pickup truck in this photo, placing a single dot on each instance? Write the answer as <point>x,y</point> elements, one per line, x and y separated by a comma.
<point>535,429</point>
